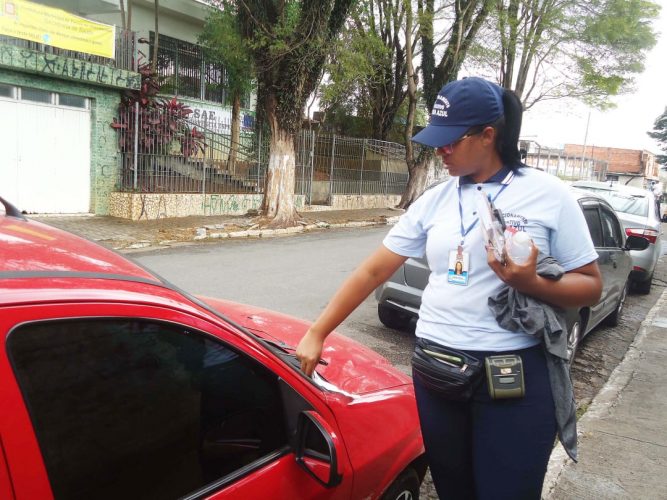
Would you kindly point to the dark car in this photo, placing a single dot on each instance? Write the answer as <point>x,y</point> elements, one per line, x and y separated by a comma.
<point>399,298</point>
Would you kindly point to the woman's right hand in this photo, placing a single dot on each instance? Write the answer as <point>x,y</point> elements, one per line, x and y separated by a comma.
<point>309,351</point>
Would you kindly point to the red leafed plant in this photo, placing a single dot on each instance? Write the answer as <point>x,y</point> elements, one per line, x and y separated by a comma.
<point>160,122</point>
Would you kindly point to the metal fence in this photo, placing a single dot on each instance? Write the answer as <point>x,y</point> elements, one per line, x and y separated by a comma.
<point>159,156</point>
<point>568,167</point>
<point>163,152</point>
<point>125,50</point>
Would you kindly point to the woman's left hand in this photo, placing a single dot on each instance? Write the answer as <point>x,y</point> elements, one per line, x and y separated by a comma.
<point>521,277</point>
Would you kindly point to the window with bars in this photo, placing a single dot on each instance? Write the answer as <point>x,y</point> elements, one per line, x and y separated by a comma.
<point>184,71</point>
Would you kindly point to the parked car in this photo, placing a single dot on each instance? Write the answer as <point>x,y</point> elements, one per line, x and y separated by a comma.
<point>639,214</point>
<point>399,298</point>
<point>116,384</point>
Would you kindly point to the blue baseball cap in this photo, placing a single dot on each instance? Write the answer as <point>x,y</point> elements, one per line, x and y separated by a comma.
<point>460,105</point>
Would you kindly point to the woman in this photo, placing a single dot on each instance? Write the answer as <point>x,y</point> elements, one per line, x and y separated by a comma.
<point>480,448</point>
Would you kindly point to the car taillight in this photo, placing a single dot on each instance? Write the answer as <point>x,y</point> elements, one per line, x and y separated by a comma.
<point>650,234</point>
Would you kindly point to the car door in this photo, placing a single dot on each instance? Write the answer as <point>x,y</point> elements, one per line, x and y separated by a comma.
<point>591,210</point>
<point>121,401</point>
<point>614,241</point>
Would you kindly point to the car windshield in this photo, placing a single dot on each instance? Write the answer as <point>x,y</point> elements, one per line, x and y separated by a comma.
<point>622,202</point>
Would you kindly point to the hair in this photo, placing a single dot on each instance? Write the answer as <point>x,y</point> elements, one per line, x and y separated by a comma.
<point>508,128</point>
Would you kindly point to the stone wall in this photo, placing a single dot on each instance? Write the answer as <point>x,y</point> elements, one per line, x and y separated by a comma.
<point>354,201</point>
<point>137,206</point>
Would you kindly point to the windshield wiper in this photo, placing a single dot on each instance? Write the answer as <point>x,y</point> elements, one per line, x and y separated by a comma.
<point>285,348</point>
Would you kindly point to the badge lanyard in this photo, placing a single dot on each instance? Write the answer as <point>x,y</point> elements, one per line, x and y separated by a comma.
<point>464,231</point>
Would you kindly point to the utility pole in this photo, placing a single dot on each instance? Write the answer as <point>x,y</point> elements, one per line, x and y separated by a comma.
<point>583,152</point>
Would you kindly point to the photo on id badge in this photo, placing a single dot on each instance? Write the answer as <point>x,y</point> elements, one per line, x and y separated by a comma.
<point>458,268</point>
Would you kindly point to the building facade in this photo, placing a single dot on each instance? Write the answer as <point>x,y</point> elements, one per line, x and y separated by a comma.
<point>632,167</point>
<point>57,105</point>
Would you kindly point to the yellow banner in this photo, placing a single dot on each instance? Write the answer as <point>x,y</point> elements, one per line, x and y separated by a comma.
<point>56,27</point>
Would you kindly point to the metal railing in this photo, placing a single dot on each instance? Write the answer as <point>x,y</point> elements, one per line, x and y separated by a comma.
<point>126,50</point>
<point>158,156</point>
<point>568,167</point>
<point>162,151</point>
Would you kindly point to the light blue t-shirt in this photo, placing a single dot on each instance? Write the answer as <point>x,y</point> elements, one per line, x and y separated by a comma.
<point>532,201</point>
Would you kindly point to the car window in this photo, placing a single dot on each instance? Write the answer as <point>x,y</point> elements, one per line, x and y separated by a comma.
<point>622,202</point>
<point>611,230</point>
<point>140,409</point>
<point>593,220</point>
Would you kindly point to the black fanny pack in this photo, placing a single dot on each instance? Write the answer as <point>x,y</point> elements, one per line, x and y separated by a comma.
<point>448,372</point>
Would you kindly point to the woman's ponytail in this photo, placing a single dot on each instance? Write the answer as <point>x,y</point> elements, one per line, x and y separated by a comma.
<point>508,137</point>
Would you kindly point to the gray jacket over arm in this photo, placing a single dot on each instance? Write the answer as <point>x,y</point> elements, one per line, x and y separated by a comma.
<point>517,312</point>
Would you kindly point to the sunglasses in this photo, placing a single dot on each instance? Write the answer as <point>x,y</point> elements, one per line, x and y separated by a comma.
<point>449,148</point>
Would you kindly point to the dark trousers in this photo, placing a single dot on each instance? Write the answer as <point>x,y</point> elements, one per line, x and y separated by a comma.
<point>491,449</point>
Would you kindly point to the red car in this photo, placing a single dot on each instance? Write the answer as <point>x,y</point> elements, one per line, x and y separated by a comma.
<point>115,384</point>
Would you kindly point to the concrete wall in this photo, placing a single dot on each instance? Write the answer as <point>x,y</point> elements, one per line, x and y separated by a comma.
<point>184,25</point>
<point>137,206</point>
<point>355,201</point>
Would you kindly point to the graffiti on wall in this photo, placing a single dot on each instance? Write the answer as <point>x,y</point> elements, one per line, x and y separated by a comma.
<point>65,67</point>
<point>236,204</point>
<point>220,204</point>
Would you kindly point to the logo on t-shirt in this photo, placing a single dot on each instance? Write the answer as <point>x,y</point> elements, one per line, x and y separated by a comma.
<point>517,221</point>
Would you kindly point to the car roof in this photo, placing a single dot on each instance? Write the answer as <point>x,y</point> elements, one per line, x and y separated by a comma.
<point>28,246</point>
<point>608,186</point>
<point>581,194</point>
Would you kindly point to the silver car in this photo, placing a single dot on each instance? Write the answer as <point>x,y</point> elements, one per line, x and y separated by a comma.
<point>639,214</point>
<point>399,298</point>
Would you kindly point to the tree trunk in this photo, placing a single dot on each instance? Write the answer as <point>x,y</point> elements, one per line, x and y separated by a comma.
<point>278,203</point>
<point>236,130</point>
<point>422,174</point>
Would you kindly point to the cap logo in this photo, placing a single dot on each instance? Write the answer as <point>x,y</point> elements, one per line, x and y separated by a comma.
<point>440,107</point>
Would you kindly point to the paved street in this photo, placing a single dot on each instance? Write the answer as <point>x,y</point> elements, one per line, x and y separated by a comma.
<point>295,275</point>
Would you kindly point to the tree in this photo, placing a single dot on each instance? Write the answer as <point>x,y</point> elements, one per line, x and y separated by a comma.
<point>368,70</point>
<point>550,49</point>
<point>659,133</point>
<point>465,20</point>
<point>289,41</point>
<point>223,43</point>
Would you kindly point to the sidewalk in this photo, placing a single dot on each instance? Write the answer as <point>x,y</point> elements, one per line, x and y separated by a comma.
<point>126,235</point>
<point>623,435</point>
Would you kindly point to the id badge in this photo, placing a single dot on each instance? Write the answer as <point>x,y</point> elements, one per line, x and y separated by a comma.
<point>459,262</point>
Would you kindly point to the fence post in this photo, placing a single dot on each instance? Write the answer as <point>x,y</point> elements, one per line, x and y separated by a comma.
<point>135,52</point>
<point>203,180</point>
<point>361,177</point>
<point>312,166</point>
<point>136,143</point>
<point>259,158</point>
<point>331,175</point>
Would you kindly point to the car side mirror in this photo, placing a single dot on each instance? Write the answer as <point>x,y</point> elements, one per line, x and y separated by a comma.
<point>316,450</point>
<point>636,243</point>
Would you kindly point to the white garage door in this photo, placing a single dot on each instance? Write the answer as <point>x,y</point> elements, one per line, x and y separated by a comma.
<point>45,139</point>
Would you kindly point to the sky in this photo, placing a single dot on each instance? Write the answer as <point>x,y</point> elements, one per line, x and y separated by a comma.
<point>556,123</point>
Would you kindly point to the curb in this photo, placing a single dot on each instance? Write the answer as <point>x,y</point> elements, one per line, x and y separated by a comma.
<point>209,232</point>
<point>606,398</point>
<point>214,232</point>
